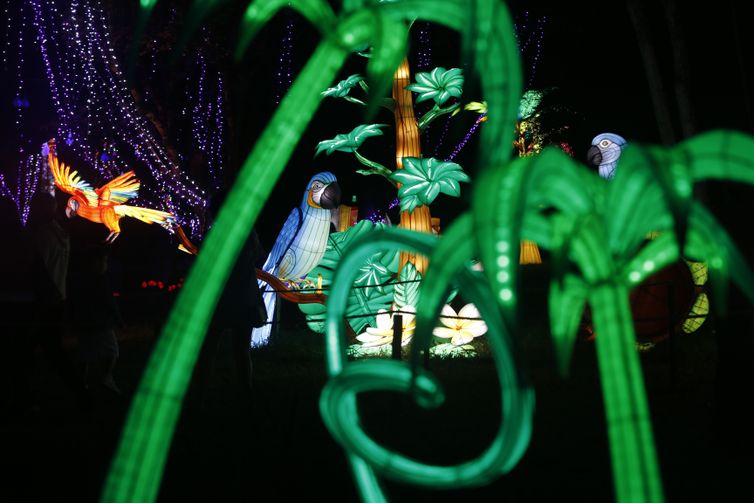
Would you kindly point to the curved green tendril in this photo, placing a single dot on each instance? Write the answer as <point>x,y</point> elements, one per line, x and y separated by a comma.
<point>348,379</point>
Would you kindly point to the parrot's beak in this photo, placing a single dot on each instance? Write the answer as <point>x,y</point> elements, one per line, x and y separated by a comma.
<point>330,196</point>
<point>594,156</point>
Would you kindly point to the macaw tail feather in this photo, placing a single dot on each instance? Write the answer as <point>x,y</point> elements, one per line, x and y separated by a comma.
<point>261,336</point>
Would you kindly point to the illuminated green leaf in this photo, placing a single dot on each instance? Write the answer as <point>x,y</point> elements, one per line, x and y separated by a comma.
<point>438,85</point>
<point>374,273</point>
<point>343,87</point>
<point>479,107</point>
<point>567,299</point>
<point>529,103</point>
<point>366,297</point>
<point>407,288</point>
<point>349,142</point>
<point>423,179</point>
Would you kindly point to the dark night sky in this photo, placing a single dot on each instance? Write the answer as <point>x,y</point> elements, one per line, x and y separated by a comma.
<point>590,53</point>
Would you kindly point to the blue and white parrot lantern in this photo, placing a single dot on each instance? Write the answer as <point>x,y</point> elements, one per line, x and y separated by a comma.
<point>301,243</point>
<point>605,152</point>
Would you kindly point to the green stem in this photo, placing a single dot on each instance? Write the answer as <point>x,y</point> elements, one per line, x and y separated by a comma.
<point>375,167</point>
<point>386,103</point>
<point>434,113</point>
<point>139,461</point>
<point>632,449</point>
<point>354,100</point>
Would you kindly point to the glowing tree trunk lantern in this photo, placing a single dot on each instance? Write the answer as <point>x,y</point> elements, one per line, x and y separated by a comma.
<point>407,145</point>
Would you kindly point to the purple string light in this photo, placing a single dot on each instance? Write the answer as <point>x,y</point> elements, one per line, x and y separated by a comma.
<point>424,51</point>
<point>526,37</point>
<point>152,70</point>
<point>84,76</point>
<point>20,79</point>
<point>6,39</point>
<point>207,121</point>
<point>283,77</point>
<point>466,138</point>
<point>443,135</point>
<point>27,181</point>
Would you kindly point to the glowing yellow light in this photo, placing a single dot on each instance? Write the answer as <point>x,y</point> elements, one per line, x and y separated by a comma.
<point>698,314</point>
<point>699,272</point>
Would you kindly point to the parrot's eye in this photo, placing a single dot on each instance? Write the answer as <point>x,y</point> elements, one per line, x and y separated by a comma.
<point>316,185</point>
<point>605,143</point>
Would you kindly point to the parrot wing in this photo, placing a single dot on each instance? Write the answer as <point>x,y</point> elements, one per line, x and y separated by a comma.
<point>146,215</point>
<point>284,240</point>
<point>120,189</point>
<point>273,265</point>
<point>70,182</point>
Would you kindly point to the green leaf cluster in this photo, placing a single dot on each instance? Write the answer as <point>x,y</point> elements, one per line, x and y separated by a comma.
<point>343,88</point>
<point>438,85</point>
<point>372,290</point>
<point>422,180</point>
<point>349,142</point>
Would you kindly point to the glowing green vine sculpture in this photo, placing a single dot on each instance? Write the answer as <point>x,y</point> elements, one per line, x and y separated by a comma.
<point>595,231</point>
<point>140,458</point>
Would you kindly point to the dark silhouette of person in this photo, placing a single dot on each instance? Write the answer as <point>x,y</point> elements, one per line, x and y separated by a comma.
<point>220,400</point>
<point>95,316</point>
<point>226,355</point>
<point>15,295</point>
<point>49,247</point>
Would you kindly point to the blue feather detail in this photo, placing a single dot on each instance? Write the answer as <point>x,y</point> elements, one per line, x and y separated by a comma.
<point>298,249</point>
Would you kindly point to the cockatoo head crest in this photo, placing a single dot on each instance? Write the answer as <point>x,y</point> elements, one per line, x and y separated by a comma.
<point>323,191</point>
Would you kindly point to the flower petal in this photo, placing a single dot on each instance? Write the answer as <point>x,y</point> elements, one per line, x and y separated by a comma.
<point>384,320</point>
<point>444,332</point>
<point>367,337</point>
<point>476,328</point>
<point>448,316</point>
<point>469,311</point>
<point>461,337</point>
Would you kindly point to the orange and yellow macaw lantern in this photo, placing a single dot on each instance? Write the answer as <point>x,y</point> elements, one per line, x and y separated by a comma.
<point>105,204</point>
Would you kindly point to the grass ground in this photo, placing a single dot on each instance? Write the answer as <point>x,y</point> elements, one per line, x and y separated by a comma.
<point>228,451</point>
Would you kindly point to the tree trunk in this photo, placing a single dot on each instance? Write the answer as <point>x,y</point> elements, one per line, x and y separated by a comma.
<point>407,145</point>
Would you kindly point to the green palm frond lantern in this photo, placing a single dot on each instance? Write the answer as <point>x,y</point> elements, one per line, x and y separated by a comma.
<point>422,180</point>
<point>349,142</point>
<point>343,88</point>
<point>595,229</point>
<point>438,85</point>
